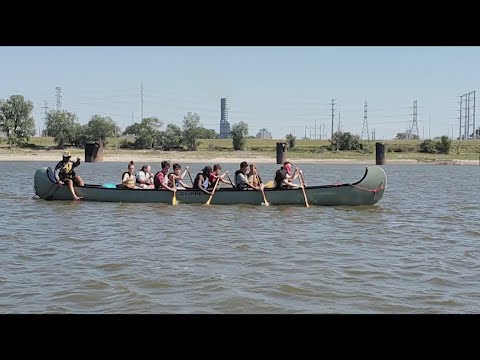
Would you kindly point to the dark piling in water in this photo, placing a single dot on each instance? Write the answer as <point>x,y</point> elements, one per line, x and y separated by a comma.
<point>380,153</point>
<point>281,152</point>
<point>93,151</point>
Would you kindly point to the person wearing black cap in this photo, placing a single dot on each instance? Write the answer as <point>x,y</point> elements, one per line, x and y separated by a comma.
<point>201,181</point>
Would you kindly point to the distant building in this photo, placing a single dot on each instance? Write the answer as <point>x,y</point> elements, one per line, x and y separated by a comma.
<point>224,124</point>
<point>264,134</point>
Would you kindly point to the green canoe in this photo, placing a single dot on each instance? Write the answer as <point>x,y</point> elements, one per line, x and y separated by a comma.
<point>368,191</point>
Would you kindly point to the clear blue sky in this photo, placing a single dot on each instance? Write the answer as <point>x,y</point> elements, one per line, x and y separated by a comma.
<point>282,89</point>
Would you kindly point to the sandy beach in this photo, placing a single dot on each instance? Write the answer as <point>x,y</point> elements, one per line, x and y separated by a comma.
<point>199,158</point>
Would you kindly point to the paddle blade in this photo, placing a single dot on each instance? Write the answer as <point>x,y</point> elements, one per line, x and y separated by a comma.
<point>270,184</point>
<point>174,199</point>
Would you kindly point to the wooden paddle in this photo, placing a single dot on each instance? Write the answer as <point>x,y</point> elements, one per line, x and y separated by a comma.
<point>302,184</point>
<point>190,176</point>
<point>263,192</point>
<point>231,182</point>
<point>174,199</point>
<point>213,192</point>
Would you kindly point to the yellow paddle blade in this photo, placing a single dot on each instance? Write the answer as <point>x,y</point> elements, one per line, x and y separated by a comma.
<point>174,200</point>
<point>270,184</point>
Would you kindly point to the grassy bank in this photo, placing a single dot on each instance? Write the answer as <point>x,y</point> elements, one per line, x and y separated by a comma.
<point>258,148</point>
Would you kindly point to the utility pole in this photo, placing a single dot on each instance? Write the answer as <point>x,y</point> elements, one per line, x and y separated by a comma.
<point>59,97</point>
<point>141,92</point>
<point>305,137</point>
<point>333,103</point>
<point>365,122</point>
<point>315,132</point>
<point>474,128</point>
<point>460,118</point>
<point>339,123</point>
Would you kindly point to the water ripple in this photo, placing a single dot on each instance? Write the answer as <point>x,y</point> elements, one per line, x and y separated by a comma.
<point>413,252</point>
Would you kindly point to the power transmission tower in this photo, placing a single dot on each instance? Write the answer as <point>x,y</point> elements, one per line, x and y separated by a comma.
<point>365,122</point>
<point>141,88</point>
<point>414,128</point>
<point>44,115</point>
<point>332,117</point>
<point>59,97</point>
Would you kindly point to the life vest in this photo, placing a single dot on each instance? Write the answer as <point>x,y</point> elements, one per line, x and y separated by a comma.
<point>177,181</point>
<point>254,180</point>
<point>204,184</point>
<point>66,172</point>
<point>156,182</point>
<point>131,179</point>
<point>280,175</point>
<point>238,184</point>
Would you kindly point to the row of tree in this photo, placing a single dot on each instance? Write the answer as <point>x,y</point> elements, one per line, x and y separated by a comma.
<point>17,123</point>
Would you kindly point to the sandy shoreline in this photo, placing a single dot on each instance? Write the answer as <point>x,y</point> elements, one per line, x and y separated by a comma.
<point>186,158</point>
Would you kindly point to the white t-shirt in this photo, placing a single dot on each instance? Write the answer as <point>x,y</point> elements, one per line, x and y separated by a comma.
<point>141,175</point>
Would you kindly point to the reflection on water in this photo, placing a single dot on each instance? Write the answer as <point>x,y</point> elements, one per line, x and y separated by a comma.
<point>416,251</point>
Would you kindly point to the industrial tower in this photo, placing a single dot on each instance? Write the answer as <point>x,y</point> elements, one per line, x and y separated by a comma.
<point>224,123</point>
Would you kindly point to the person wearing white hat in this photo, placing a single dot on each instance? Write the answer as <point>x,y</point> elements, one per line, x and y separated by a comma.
<point>64,173</point>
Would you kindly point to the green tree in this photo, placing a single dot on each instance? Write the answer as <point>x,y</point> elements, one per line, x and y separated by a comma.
<point>291,141</point>
<point>406,136</point>
<point>172,137</point>
<point>239,133</point>
<point>63,126</point>
<point>191,130</point>
<point>16,119</point>
<point>345,141</point>
<point>207,134</point>
<point>428,146</point>
<point>147,133</point>
<point>99,128</point>
<point>444,145</point>
<point>134,129</point>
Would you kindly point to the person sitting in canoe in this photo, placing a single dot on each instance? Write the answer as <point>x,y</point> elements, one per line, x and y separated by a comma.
<point>161,179</point>
<point>241,179</point>
<point>144,177</point>
<point>253,178</point>
<point>64,173</point>
<point>284,177</point>
<point>175,179</point>
<point>128,178</point>
<point>212,178</point>
<point>201,181</point>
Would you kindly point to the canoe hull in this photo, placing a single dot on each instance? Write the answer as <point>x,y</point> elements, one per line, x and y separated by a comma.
<point>368,191</point>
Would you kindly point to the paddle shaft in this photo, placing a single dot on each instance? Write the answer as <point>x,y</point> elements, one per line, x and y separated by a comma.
<point>231,182</point>
<point>302,183</point>
<point>263,192</point>
<point>190,176</point>
<point>213,191</point>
